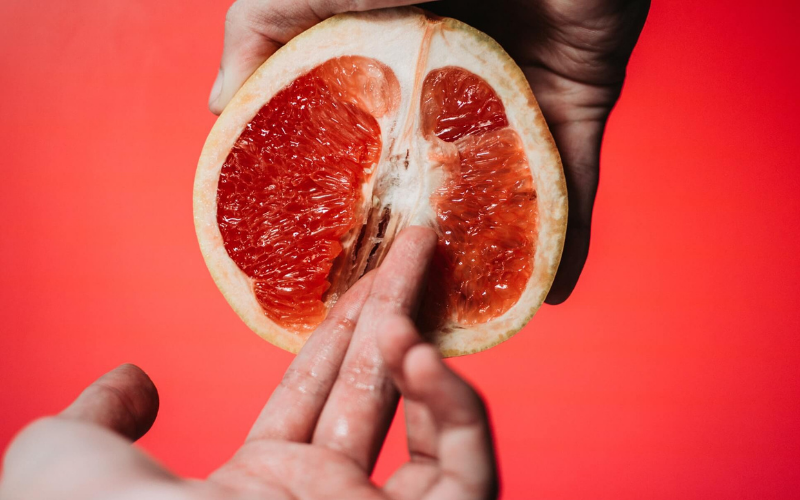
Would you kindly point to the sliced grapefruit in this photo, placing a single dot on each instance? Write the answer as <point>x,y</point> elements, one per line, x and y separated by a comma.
<point>359,127</point>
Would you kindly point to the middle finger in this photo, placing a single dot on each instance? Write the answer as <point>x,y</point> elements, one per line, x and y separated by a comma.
<point>361,405</point>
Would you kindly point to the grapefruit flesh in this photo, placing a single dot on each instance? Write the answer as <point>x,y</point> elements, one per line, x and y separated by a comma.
<point>359,127</point>
<point>486,208</point>
<point>291,187</point>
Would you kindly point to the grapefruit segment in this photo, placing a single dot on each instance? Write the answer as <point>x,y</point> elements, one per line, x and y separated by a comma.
<point>290,188</point>
<point>486,209</point>
<point>357,128</point>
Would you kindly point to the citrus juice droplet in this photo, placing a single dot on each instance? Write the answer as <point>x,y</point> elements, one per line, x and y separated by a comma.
<point>486,208</point>
<point>290,188</point>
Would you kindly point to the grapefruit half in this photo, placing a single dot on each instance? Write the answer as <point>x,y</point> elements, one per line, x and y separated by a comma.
<point>361,126</point>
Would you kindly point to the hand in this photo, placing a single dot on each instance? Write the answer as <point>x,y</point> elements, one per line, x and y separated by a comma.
<point>574,53</point>
<point>320,432</point>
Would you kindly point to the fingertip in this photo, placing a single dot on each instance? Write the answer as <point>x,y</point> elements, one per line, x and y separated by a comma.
<point>216,92</point>
<point>132,371</point>
<point>424,232</point>
<point>573,259</point>
<point>558,295</point>
<point>139,383</point>
<point>423,239</point>
<point>421,365</point>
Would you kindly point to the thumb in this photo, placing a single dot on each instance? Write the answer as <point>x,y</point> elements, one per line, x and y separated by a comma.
<point>252,34</point>
<point>255,29</point>
<point>123,400</point>
<point>63,457</point>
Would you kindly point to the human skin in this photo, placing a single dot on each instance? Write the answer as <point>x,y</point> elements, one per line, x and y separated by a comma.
<point>318,436</point>
<point>573,52</point>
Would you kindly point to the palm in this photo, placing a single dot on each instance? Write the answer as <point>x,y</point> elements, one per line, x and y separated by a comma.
<point>574,53</point>
<point>301,471</point>
<point>278,470</point>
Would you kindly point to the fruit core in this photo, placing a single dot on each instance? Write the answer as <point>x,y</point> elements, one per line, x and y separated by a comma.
<point>295,196</point>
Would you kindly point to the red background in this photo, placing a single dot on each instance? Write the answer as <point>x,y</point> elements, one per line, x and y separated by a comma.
<point>672,372</point>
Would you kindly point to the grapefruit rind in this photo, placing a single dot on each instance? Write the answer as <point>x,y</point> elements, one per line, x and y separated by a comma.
<point>396,38</point>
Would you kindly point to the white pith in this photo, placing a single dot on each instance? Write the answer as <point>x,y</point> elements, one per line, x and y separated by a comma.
<point>398,39</point>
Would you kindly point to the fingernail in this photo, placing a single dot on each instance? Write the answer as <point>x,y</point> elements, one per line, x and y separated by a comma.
<point>216,90</point>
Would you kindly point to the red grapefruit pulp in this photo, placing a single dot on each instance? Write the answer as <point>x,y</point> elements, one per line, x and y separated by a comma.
<point>290,188</point>
<point>486,208</point>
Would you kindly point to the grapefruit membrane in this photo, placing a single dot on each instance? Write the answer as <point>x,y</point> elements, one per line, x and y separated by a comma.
<point>359,127</point>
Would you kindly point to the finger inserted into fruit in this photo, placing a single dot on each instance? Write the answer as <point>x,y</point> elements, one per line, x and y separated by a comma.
<point>339,141</point>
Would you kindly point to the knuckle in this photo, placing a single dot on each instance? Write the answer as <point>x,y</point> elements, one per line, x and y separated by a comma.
<point>302,381</point>
<point>387,298</point>
<point>342,324</point>
<point>365,376</point>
